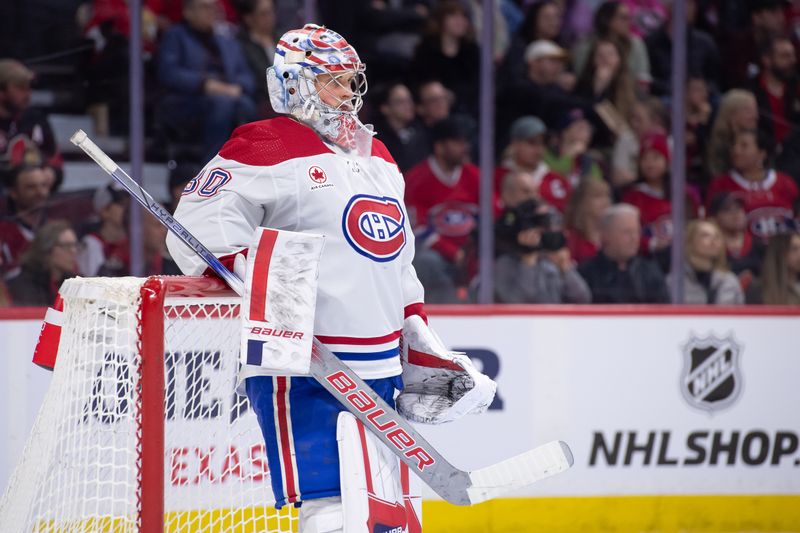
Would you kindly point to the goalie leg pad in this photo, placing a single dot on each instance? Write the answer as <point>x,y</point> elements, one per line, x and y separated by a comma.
<point>378,491</point>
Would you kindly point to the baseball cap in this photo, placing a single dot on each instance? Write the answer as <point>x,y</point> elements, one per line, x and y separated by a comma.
<point>723,200</point>
<point>14,72</point>
<point>107,195</point>
<point>542,48</point>
<point>656,142</point>
<point>527,127</point>
<point>569,118</point>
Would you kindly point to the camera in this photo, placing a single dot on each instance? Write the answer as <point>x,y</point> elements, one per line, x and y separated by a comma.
<point>552,241</point>
<point>528,215</point>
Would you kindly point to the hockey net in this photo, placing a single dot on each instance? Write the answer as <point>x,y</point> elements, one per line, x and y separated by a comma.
<point>141,429</point>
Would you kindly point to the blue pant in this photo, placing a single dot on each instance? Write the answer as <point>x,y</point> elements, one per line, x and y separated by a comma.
<point>298,420</point>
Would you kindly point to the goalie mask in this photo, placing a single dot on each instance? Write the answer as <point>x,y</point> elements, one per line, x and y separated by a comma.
<point>318,78</point>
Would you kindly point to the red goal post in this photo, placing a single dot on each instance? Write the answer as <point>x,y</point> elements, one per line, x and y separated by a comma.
<point>141,429</point>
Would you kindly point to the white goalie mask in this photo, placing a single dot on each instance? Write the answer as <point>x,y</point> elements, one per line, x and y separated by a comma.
<point>318,78</point>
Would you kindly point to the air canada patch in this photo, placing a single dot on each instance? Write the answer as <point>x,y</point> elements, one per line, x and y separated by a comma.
<point>317,175</point>
<point>375,226</point>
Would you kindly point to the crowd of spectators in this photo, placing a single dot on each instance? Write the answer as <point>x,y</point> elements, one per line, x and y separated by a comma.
<point>582,181</point>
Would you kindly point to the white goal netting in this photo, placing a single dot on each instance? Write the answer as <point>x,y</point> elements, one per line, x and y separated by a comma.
<point>82,469</point>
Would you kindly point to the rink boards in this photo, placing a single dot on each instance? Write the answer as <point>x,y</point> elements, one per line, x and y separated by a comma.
<point>679,422</point>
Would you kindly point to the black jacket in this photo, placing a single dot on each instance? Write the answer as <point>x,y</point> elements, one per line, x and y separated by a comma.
<point>32,288</point>
<point>703,59</point>
<point>640,283</point>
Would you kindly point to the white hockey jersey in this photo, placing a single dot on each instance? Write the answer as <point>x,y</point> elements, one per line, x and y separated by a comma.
<point>278,173</point>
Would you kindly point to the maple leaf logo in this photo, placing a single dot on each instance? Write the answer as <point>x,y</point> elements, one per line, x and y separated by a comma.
<point>317,174</point>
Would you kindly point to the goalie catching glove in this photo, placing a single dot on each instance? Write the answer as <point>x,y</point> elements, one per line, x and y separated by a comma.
<point>439,385</point>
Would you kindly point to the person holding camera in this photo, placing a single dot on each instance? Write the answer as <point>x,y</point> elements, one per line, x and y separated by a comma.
<point>536,265</point>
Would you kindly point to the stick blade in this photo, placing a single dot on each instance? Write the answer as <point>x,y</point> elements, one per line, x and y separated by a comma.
<point>519,471</point>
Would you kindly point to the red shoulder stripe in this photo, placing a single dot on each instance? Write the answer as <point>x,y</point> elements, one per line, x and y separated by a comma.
<point>273,141</point>
<point>379,150</point>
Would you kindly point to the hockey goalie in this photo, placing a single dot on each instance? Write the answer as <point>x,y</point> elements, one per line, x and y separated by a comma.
<point>308,210</point>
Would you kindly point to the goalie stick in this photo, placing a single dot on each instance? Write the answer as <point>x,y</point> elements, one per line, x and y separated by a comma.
<point>456,486</point>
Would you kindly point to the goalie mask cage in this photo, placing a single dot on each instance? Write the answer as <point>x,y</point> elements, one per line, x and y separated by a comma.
<point>141,429</point>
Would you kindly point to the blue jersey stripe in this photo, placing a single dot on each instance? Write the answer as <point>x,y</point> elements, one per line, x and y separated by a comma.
<point>372,356</point>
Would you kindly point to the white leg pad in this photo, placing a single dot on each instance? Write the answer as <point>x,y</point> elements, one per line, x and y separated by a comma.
<point>323,515</point>
<point>379,493</point>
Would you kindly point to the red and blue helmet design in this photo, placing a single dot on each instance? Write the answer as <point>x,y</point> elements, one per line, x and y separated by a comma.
<point>375,226</point>
<point>303,54</point>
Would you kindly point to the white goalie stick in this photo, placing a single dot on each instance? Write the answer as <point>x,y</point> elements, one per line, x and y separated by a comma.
<point>453,485</point>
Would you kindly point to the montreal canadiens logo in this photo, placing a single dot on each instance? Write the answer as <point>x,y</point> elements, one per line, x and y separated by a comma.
<point>317,174</point>
<point>375,226</point>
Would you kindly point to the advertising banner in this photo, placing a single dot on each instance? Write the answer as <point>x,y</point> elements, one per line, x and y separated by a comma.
<point>650,404</point>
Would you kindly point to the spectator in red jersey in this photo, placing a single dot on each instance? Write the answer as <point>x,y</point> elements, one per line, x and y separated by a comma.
<point>744,253</point>
<point>582,218</point>
<point>442,196</point>
<point>769,195</point>
<point>706,278</point>
<point>651,195</point>
<point>738,111</point>
<point>538,267</point>
<point>617,274</point>
<point>570,157</point>
<point>526,154</point>
<point>396,127</point>
<point>780,279</point>
<point>777,90</point>
<point>105,250</point>
<point>22,125</point>
<point>646,116</point>
<point>28,190</point>
<point>51,258</point>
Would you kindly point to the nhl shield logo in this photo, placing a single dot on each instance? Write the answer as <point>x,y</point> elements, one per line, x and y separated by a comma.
<point>711,378</point>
